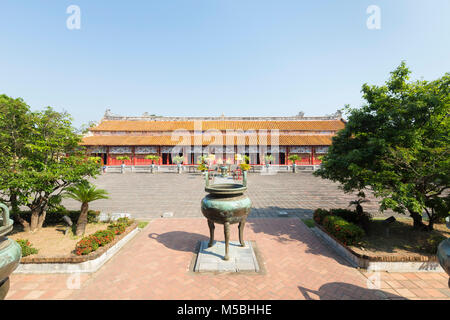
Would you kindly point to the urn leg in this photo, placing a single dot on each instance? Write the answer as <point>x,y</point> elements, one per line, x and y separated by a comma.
<point>226,228</point>
<point>211,233</point>
<point>241,232</point>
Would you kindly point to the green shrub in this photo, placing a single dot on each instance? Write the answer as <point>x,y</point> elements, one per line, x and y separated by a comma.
<point>87,245</point>
<point>125,220</point>
<point>104,237</point>
<point>362,220</point>
<point>27,248</point>
<point>345,214</point>
<point>346,232</point>
<point>319,214</point>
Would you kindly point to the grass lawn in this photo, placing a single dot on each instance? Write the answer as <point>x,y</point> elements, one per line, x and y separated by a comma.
<point>309,223</point>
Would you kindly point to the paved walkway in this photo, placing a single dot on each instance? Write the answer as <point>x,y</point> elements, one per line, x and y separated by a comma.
<point>148,195</point>
<point>156,265</point>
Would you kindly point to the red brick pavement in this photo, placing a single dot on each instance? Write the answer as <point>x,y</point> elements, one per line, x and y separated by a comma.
<point>155,265</point>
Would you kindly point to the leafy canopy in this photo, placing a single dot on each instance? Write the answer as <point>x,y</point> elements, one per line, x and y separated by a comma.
<point>397,144</point>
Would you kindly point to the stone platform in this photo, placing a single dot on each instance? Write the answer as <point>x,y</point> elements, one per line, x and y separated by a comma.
<point>242,259</point>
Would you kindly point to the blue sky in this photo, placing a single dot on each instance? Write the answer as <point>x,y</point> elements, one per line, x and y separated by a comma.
<point>208,57</point>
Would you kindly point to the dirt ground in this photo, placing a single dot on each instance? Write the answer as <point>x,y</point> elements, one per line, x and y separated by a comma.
<point>51,241</point>
<point>400,241</point>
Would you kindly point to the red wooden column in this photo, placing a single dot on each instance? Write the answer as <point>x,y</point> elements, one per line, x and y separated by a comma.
<point>133,162</point>
<point>288,149</point>
<point>108,156</point>
<point>160,155</point>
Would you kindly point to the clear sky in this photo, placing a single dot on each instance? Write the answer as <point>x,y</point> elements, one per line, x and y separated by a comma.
<point>208,57</point>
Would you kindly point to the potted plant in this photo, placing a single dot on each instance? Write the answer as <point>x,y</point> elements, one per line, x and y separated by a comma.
<point>153,159</point>
<point>122,166</point>
<point>269,159</point>
<point>178,160</point>
<point>294,158</point>
<point>203,164</point>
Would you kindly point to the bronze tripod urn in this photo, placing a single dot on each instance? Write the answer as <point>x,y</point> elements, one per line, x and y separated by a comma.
<point>226,204</point>
<point>10,251</point>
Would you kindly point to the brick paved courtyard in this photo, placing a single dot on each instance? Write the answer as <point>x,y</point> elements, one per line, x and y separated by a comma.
<point>156,265</point>
<point>150,195</point>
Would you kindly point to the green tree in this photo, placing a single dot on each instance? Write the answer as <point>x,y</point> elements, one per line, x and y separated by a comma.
<point>15,133</point>
<point>397,145</point>
<point>40,157</point>
<point>85,193</point>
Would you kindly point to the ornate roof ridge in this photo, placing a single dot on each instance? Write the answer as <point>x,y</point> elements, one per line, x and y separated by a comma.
<point>146,117</point>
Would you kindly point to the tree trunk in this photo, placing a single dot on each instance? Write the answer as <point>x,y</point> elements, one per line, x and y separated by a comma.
<point>24,223</point>
<point>41,218</point>
<point>14,203</point>
<point>82,219</point>
<point>34,220</point>
<point>418,224</point>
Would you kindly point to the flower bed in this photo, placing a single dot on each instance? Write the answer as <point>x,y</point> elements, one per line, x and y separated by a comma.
<point>397,247</point>
<point>72,257</point>
<point>101,238</point>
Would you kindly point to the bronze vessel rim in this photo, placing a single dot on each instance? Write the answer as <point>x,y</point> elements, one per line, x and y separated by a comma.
<point>226,188</point>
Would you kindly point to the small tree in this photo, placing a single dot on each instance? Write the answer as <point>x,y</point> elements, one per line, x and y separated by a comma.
<point>154,158</point>
<point>269,158</point>
<point>178,159</point>
<point>85,193</point>
<point>294,158</point>
<point>123,158</point>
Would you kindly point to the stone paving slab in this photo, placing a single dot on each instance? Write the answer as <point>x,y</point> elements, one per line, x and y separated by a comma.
<point>148,196</point>
<point>156,265</point>
<point>210,259</point>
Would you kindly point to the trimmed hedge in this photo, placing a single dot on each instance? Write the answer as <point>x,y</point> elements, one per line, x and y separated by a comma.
<point>56,217</point>
<point>346,232</point>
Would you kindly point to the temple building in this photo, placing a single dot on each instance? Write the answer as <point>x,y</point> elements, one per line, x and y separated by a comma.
<point>227,138</point>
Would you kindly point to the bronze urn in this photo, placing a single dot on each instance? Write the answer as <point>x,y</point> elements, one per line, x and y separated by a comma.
<point>226,204</point>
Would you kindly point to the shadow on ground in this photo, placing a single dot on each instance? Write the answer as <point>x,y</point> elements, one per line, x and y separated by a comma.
<point>346,291</point>
<point>296,230</point>
<point>179,240</point>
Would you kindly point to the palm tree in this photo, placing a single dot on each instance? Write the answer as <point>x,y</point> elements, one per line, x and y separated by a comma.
<point>84,192</point>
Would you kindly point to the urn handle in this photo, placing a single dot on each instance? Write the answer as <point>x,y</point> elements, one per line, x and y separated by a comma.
<point>5,214</point>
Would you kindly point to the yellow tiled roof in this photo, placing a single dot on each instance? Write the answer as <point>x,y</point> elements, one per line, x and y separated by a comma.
<point>307,125</point>
<point>125,140</point>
